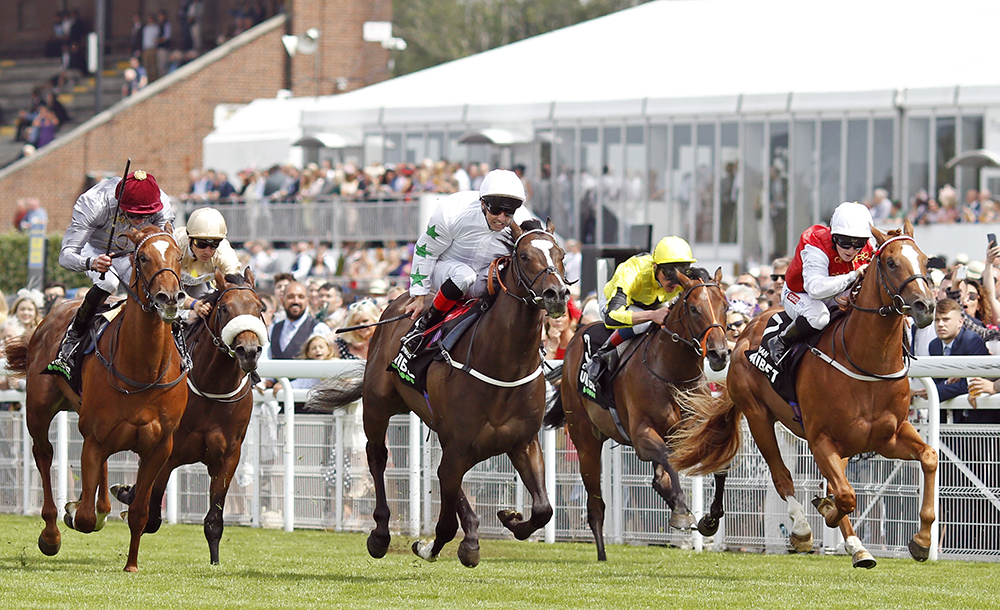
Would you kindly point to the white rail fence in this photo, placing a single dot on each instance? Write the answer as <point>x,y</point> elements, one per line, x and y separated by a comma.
<point>310,471</point>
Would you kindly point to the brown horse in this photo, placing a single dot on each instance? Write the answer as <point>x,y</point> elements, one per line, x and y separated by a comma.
<point>655,368</point>
<point>853,397</point>
<point>491,404</point>
<point>224,354</point>
<point>132,395</point>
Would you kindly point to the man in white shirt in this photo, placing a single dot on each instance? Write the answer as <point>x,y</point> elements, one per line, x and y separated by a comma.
<point>465,234</point>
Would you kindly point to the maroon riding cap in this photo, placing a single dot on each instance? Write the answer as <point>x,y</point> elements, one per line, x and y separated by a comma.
<point>142,194</point>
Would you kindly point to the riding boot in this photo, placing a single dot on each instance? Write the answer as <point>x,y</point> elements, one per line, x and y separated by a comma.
<point>606,358</point>
<point>444,300</point>
<point>63,364</point>
<point>430,317</point>
<point>778,345</point>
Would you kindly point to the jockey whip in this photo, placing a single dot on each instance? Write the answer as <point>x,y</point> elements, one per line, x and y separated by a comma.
<point>360,326</point>
<point>118,208</point>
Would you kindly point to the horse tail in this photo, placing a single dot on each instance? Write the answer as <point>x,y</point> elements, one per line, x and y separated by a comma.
<point>16,352</point>
<point>555,417</point>
<point>335,393</point>
<point>709,438</point>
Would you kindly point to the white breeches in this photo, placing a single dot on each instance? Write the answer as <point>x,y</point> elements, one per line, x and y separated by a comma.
<point>471,283</point>
<point>797,304</point>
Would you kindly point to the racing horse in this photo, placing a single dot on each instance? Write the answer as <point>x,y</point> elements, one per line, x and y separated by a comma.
<point>853,391</point>
<point>132,395</point>
<point>491,404</point>
<point>224,350</point>
<point>656,368</point>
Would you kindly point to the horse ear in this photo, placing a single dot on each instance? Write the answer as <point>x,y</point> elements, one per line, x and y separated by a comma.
<point>908,228</point>
<point>169,228</point>
<point>249,277</point>
<point>515,230</point>
<point>879,235</point>
<point>718,275</point>
<point>220,279</point>
<point>549,225</point>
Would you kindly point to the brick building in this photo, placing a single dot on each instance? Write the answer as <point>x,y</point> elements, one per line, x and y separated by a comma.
<point>161,128</point>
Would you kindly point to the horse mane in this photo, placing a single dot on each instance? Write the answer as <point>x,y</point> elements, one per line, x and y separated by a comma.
<point>232,278</point>
<point>698,273</point>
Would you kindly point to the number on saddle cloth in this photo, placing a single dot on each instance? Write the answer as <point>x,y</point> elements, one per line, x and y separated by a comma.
<point>782,378</point>
<point>599,390</point>
<point>412,368</point>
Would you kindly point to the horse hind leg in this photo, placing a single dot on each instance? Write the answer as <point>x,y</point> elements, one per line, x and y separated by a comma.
<point>708,525</point>
<point>529,464</point>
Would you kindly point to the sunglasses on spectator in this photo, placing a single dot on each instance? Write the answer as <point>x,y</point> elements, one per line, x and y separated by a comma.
<point>207,243</point>
<point>777,276</point>
<point>972,296</point>
<point>850,243</point>
<point>736,325</point>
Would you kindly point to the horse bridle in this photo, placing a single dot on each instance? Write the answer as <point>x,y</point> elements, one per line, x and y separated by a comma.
<point>216,314</point>
<point>533,298</point>
<point>686,322</point>
<point>141,280</point>
<point>897,304</point>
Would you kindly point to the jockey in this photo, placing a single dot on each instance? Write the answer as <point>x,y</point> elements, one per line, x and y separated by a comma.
<point>206,249</point>
<point>826,262</point>
<point>142,203</point>
<point>638,295</point>
<point>464,236</point>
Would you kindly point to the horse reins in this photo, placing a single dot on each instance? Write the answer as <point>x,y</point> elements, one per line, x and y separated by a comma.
<point>244,387</point>
<point>685,321</point>
<point>145,284</point>
<point>896,306</point>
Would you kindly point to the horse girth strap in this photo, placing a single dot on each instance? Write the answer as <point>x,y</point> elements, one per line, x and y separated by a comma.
<point>140,386</point>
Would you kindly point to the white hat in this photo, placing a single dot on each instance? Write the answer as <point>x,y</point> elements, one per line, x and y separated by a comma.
<point>852,219</point>
<point>502,183</point>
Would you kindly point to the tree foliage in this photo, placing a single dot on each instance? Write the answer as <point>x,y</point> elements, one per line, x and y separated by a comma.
<point>14,263</point>
<point>438,31</point>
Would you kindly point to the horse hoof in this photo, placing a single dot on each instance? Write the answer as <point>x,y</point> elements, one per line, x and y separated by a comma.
<point>46,548</point>
<point>102,519</point>
<point>375,548</point>
<point>682,521</point>
<point>120,492</point>
<point>123,515</point>
<point>423,550</point>
<point>468,555</point>
<point>509,518</point>
<point>801,544</point>
<point>863,559</point>
<point>920,553</point>
<point>708,526</point>
<point>70,513</point>
<point>828,509</point>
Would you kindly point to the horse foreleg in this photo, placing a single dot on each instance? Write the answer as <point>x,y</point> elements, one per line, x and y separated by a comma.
<point>103,506</point>
<point>910,446</point>
<point>149,469</point>
<point>82,515</point>
<point>649,447</point>
<point>468,549</point>
<point>708,525</point>
<point>50,539</point>
<point>832,466</point>
<point>529,464</point>
<point>221,474</point>
<point>450,473</point>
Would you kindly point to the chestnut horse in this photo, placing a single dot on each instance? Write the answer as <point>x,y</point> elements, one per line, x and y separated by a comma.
<point>224,353</point>
<point>490,405</point>
<point>655,368</point>
<point>132,395</point>
<point>854,397</point>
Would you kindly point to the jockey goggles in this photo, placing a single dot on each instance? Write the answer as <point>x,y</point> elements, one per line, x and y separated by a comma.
<point>497,204</point>
<point>847,242</point>
<point>207,243</point>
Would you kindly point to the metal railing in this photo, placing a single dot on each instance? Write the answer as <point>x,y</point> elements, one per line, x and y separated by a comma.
<point>310,471</point>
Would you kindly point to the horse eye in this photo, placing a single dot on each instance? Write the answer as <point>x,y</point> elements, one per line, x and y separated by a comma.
<point>524,257</point>
<point>891,263</point>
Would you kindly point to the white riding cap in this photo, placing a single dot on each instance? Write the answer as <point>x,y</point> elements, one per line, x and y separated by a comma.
<point>502,183</point>
<point>852,219</point>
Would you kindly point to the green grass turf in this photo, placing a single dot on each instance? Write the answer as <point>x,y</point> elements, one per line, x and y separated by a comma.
<point>270,569</point>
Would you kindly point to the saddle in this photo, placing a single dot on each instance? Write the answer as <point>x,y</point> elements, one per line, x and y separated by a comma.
<point>412,367</point>
<point>782,376</point>
<point>601,390</point>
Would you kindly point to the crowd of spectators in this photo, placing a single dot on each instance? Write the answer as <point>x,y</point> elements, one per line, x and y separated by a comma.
<point>976,207</point>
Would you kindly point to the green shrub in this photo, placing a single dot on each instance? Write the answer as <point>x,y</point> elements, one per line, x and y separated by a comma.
<point>14,263</point>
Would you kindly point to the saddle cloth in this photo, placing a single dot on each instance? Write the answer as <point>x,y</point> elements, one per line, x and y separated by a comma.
<point>91,335</point>
<point>599,390</point>
<point>412,368</point>
<point>782,377</point>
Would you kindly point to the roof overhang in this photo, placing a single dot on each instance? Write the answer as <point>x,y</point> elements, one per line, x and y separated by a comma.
<point>496,137</point>
<point>327,140</point>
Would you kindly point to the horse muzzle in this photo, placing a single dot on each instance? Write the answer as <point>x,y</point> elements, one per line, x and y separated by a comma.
<point>922,311</point>
<point>717,360</point>
<point>554,300</point>
<point>168,305</point>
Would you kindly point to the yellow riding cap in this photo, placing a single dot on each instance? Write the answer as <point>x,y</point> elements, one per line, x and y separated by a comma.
<point>673,249</point>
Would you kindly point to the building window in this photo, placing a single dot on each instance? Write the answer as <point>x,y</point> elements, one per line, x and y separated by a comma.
<point>883,144</point>
<point>918,159</point>
<point>944,151</point>
<point>829,168</point>
<point>857,160</point>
